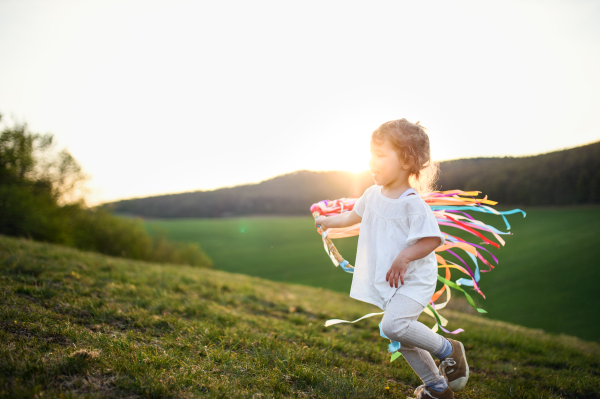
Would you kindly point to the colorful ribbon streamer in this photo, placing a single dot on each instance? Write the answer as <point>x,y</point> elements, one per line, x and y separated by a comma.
<point>450,209</point>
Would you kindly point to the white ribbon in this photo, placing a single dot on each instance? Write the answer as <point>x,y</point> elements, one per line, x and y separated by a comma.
<point>338,321</point>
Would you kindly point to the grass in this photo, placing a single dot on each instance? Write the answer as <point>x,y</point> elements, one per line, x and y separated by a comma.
<point>76,324</point>
<point>548,272</point>
<point>546,277</point>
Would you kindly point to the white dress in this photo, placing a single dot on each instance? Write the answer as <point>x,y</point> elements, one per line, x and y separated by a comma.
<point>388,226</point>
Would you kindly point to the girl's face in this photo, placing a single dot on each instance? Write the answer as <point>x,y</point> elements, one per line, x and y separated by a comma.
<point>386,166</point>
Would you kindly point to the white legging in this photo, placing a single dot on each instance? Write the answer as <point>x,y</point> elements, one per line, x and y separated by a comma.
<point>417,341</point>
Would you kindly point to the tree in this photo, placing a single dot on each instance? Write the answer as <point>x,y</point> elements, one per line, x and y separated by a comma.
<point>40,190</point>
<point>31,159</point>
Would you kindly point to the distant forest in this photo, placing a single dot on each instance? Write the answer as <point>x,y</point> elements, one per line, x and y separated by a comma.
<point>565,177</point>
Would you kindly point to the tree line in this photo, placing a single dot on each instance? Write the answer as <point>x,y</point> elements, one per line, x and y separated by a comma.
<point>566,177</point>
<point>40,198</point>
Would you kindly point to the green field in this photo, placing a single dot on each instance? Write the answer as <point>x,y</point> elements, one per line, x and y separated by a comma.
<point>84,325</point>
<point>546,278</point>
<point>287,249</point>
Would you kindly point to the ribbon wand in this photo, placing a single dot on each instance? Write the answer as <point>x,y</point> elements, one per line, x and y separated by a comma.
<point>450,210</point>
<point>332,250</point>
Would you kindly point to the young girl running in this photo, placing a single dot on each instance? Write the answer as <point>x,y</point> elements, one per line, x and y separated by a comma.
<point>396,268</point>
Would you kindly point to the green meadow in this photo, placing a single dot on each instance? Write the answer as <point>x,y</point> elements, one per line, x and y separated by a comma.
<point>546,278</point>
<point>82,325</point>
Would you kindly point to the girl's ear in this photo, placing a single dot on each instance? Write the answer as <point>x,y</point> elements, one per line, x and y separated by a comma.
<point>409,162</point>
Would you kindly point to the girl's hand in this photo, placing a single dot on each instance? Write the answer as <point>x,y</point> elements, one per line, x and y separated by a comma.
<point>397,271</point>
<point>322,221</point>
<point>343,220</point>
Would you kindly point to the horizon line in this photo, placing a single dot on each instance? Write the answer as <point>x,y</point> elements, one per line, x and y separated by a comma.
<point>330,171</point>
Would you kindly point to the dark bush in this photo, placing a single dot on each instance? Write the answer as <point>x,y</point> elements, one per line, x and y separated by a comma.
<point>38,191</point>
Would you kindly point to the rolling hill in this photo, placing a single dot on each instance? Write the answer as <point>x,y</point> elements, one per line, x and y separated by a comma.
<point>76,324</point>
<point>558,178</point>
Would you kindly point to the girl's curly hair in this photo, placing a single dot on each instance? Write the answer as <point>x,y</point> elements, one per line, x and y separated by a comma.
<point>411,142</point>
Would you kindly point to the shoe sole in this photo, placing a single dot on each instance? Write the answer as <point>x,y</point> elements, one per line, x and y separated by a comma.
<point>459,383</point>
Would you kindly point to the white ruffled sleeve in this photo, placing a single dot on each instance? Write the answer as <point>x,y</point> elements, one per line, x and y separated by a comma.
<point>361,203</point>
<point>423,225</point>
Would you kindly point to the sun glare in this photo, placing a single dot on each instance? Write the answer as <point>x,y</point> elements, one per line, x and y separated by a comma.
<point>356,165</point>
<point>194,85</point>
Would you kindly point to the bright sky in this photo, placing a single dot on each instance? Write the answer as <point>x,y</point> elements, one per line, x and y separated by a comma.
<point>161,97</point>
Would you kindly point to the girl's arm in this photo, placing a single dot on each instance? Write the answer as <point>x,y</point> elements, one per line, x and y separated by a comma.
<point>342,220</point>
<point>420,249</point>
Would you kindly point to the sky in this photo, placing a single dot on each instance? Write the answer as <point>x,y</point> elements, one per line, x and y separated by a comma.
<point>163,97</point>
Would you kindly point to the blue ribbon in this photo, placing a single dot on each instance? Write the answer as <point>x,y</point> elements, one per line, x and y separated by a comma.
<point>464,281</point>
<point>346,269</point>
<point>479,209</point>
<point>477,275</point>
<point>393,346</point>
<point>471,224</point>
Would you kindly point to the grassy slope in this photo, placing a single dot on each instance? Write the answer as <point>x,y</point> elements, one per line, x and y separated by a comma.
<point>76,324</point>
<point>546,277</point>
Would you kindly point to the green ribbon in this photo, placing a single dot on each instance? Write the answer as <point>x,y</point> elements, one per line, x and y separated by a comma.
<point>457,287</point>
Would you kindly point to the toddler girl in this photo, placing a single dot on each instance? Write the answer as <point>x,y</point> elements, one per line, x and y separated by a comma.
<point>396,268</point>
